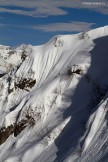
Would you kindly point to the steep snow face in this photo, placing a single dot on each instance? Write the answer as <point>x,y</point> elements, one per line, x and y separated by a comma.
<point>53,100</point>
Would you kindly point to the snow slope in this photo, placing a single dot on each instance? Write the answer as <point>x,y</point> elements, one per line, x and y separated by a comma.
<point>54,100</point>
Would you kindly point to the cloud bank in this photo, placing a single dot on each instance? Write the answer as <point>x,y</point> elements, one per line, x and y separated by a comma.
<point>64,27</point>
<point>45,8</point>
<point>74,26</point>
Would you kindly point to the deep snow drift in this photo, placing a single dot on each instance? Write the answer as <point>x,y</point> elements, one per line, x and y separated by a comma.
<point>54,100</point>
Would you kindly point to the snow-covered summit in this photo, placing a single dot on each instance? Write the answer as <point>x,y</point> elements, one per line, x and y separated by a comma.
<point>54,100</point>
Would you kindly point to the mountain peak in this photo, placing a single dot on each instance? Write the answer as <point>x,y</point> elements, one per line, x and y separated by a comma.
<point>53,99</point>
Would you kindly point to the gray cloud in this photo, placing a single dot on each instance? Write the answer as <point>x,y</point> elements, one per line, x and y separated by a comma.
<point>18,12</point>
<point>44,8</point>
<point>67,27</point>
<point>73,26</point>
<point>3,25</point>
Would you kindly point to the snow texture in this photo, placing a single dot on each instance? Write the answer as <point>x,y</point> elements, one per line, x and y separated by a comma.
<point>54,100</point>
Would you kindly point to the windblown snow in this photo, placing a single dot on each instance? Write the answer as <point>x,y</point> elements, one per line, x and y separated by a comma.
<point>54,100</point>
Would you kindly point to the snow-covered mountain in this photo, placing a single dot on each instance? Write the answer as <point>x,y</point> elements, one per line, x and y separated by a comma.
<point>54,100</point>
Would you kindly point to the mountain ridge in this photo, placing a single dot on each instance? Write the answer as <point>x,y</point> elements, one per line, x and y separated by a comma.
<point>53,99</point>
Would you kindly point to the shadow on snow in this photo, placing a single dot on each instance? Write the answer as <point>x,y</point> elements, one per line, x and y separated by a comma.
<point>81,106</point>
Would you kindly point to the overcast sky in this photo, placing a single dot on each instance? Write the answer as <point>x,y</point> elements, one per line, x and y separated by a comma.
<point>36,21</point>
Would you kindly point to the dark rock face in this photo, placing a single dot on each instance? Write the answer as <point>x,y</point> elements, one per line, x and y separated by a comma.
<point>25,83</point>
<point>5,132</point>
